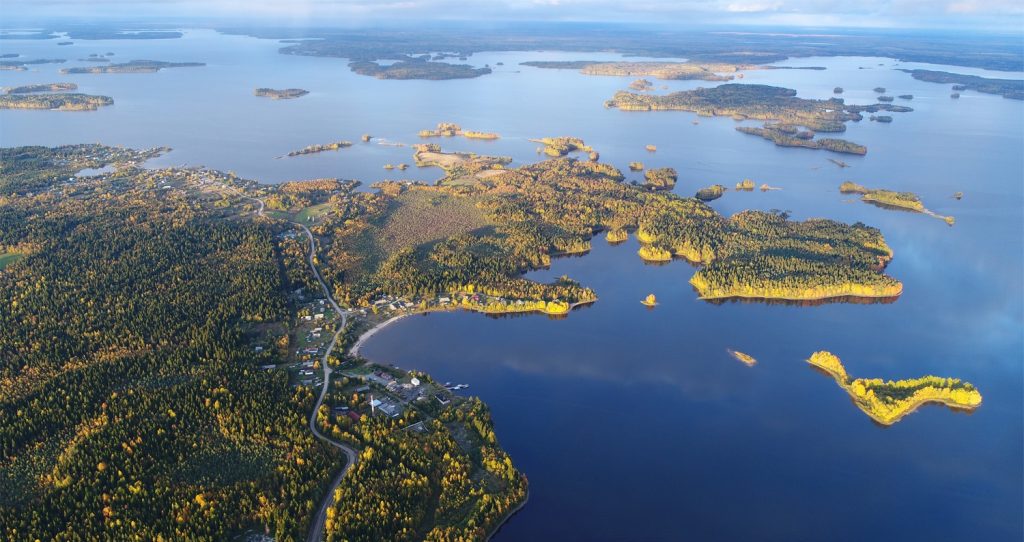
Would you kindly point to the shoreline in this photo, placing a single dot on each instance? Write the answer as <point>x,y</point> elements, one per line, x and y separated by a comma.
<point>508,515</point>
<point>366,335</point>
<point>798,299</point>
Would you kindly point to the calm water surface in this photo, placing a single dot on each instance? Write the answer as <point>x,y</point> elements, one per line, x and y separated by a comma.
<point>635,424</point>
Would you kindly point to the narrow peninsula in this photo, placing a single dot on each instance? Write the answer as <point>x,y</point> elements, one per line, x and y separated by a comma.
<point>887,402</point>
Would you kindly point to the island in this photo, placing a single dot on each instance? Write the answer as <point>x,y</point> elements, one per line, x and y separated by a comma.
<point>636,166</point>
<point>880,90</point>
<point>450,129</point>
<point>134,66</point>
<point>760,102</point>
<point>642,85</point>
<point>787,135</point>
<point>417,69</point>
<point>746,359</point>
<point>280,94</point>
<point>663,178</point>
<point>561,146</point>
<point>887,402</point>
<point>1007,88</point>
<point>889,199</point>
<point>885,98</point>
<point>314,149</point>
<point>57,102</point>
<point>746,185</point>
<point>710,193</point>
<point>42,87</point>
<point>881,118</point>
<point>906,96</point>
<point>837,90</point>
<point>22,65</point>
<point>650,300</point>
<point>651,148</point>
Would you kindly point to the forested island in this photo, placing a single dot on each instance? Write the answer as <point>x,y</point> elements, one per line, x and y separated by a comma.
<point>450,129</point>
<point>280,94</point>
<point>891,199</point>
<point>761,102</point>
<point>133,66</point>
<point>561,146</point>
<point>710,193</point>
<point>668,70</point>
<point>41,87</point>
<point>314,149</point>
<point>22,65</point>
<point>787,135</point>
<point>1007,88</point>
<point>417,69</point>
<point>58,101</point>
<point>182,420</point>
<point>887,402</point>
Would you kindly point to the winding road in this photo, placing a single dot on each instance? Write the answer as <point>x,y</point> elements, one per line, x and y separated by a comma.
<point>316,528</point>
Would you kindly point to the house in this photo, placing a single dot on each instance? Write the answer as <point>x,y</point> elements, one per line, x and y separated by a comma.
<point>354,415</point>
<point>259,349</point>
<point>392,411</point>
<point>318,316</point>
<point>442,399</point>
<point>444,300</point>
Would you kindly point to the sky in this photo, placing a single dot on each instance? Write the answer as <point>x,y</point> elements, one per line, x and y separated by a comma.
<point>1005,15</point>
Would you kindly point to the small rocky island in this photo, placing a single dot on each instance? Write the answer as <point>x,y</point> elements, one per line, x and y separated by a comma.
<point>450,129</point>
<point>746,359</point>
<point>280,94</point>
<point>314,149</point>
<point>887,402</point>
<point>710,193</point>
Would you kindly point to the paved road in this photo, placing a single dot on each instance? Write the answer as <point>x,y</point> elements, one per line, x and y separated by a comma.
<point>316,528</point>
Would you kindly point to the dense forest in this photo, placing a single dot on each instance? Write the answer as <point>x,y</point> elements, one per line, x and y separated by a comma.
<point>439,462</point>
<point>417,68</point>
<point>59,101</point>
<point>478,233</point>
<point>41,87</point>
<point>761,102</point>
<point>134,66</point>
<point>1007,88</point>
<point>131,405</point>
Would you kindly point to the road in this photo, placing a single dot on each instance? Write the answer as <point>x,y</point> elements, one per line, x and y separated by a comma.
<point>316,528</point>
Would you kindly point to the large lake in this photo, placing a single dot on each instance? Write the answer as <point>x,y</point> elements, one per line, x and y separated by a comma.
<point>631,423</point>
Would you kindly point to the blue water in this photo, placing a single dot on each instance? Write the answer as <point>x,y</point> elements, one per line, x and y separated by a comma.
<point>631,423</point>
